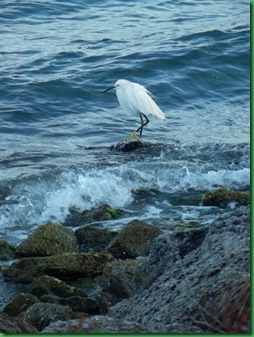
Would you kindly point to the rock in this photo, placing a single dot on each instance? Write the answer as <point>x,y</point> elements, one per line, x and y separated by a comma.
<point>49,239</point>
<point>7,251</point>
<point>200,290</point>
<point>19,304</point>
<point>45,285</point>
<point>101,213</point>
<point>223,196</point>
<point>135,239</point>
<point>12,325</point>
<point>42,314</point>
<point>76,303</point>
<point>94,237</point>
<point>98,324</point>
<point>121,280</point>
<point>129,146</point>
<point>65,266</point>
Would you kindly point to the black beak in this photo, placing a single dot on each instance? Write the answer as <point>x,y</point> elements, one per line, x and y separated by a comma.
<point>108,89</point>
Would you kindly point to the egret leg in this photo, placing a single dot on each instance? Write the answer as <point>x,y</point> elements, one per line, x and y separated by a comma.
<point>140,129</point>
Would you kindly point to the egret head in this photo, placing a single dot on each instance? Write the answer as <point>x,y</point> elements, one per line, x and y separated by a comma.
<point>119,84</point>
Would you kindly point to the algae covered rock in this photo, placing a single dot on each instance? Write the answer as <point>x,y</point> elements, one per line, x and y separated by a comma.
<point>223,196</point>
<point>49,239</point>
<point>94,237</point>
<point>7,251</point>
<point>135,239</point>
<point>45,285</point>
<point>42,314</point>
<point>65,266</point>
<point>19,304</point>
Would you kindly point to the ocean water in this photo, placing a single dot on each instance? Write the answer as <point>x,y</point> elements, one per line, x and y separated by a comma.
<point>58,131</point>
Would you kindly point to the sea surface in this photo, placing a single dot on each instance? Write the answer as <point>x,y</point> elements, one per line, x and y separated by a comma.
<point>58,131</point>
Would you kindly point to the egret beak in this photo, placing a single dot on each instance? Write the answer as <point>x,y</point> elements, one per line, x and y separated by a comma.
<point>108,89</point>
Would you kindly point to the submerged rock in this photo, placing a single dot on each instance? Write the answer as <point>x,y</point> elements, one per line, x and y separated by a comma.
<point>65,266</point>
<point>223,196</point>
<point>101,213</point>
<point>49,239</point>
<point>135,239</point>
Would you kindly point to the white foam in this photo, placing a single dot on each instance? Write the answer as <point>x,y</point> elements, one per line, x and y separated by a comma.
<point>35,200</point>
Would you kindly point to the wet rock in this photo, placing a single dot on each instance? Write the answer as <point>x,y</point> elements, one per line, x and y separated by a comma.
<point>42,314</point>
<point>187,292</point>
<point>45,285</point>
<point>223,196</point>
<point>19,304</point>
<point>101,213</point>
<point>94,237</point>
<point>65,266</point>
<point>129,146</point>
<point>76,303</point>
<point>135,239</point>
<point>98,324</point>
<point>7,251</point>
<point>49,239</point>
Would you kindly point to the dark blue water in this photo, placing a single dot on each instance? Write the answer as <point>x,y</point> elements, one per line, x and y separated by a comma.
<point>57,129</point>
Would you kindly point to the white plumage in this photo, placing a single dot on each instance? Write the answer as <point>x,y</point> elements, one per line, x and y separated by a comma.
<point>135,98</point>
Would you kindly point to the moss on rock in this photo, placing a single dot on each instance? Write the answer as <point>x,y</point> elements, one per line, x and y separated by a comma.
<point>94,237</point>
<point>135,239</point>
<point>49,239</point>
<point>19,304</point>
<point>223,196</point>
<point>45,285</point>
<point>65,266</point>
<point>7,251</point>
<point>103,212</point>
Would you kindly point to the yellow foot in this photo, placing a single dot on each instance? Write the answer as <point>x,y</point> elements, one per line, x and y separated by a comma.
<point>132,136</point>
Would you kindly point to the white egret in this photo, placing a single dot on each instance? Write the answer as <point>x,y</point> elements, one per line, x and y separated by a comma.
<point>135,98</point>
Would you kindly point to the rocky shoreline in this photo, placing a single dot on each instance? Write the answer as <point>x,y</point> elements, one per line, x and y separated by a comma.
<point>142,279</point>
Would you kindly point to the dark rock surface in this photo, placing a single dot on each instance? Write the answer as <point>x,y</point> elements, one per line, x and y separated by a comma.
<point>94,237</point>
<point>19,304</point>
<point>42,314</point>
